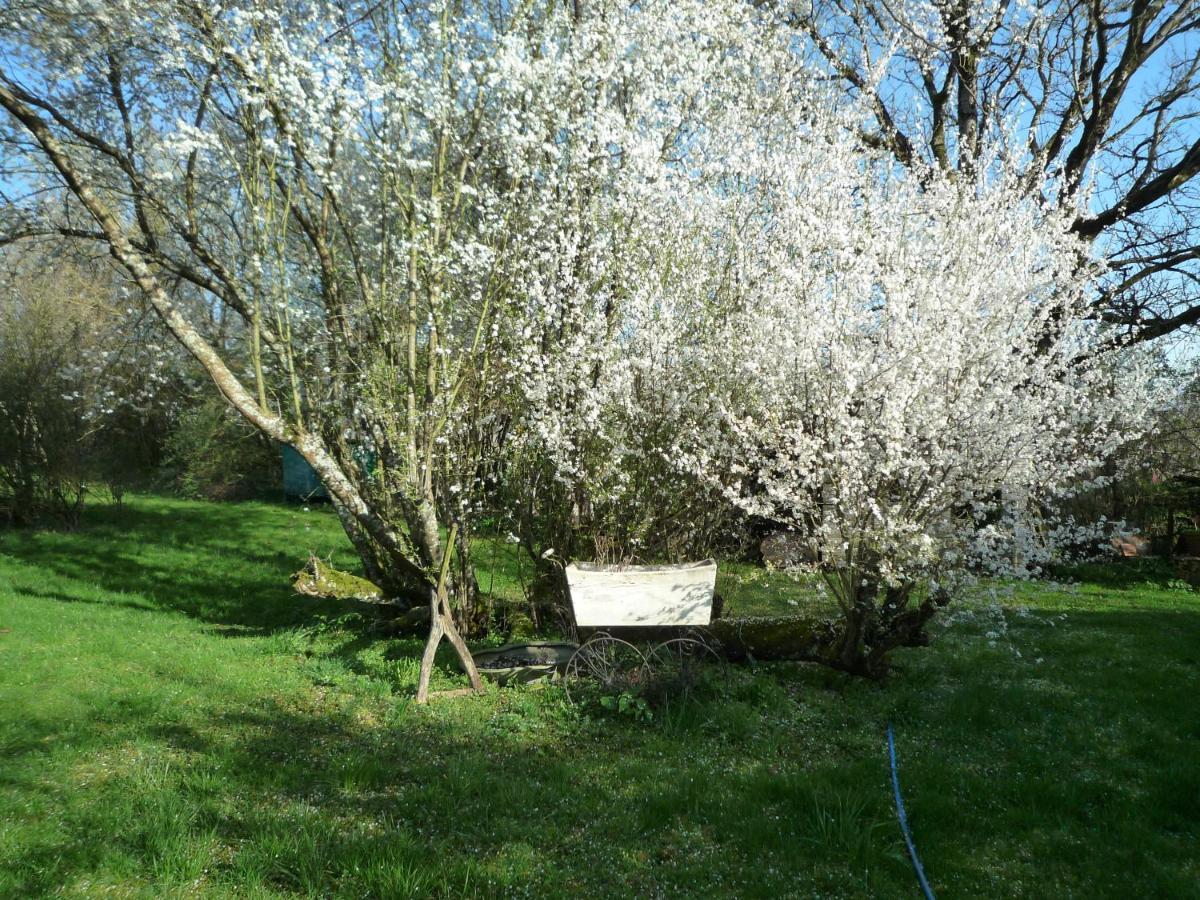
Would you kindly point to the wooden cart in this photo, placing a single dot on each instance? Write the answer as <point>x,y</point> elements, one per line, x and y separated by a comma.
<point>612,604</point>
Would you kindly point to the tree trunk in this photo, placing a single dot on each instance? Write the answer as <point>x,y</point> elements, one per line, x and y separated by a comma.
<point>1170,530</point>
<point>471,615</point>
<point>422,520</point>
<point>857,642</point>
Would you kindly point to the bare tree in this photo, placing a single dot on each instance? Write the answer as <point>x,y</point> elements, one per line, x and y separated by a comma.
<point>1107,95</point>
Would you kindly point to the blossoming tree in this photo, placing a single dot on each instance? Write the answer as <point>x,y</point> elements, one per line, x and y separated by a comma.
<point>370,189</point>
<point>1102,92</point>
<point>899,367</point>
<point>599,232</point>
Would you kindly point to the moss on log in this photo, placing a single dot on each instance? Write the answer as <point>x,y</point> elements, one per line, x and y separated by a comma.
<point>319,579</point>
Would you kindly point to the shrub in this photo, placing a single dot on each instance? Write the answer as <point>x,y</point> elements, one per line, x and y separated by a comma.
<point>212,453</point>
<point>49,329</point>
<point>88,386</point>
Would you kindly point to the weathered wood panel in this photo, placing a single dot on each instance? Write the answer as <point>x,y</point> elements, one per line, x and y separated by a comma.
<point>615,596</point>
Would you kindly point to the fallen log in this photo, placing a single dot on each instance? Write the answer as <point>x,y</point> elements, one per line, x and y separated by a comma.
<point>796,638</point>
<point>319,579</point>
<point>792,638</point>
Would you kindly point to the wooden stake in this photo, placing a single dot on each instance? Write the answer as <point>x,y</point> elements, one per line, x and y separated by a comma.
<point>441,623</point>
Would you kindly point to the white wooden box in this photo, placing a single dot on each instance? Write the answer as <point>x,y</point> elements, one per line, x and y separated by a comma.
<point>604,596</point>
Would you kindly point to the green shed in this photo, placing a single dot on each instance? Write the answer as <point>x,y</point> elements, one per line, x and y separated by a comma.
<point>300,481</point>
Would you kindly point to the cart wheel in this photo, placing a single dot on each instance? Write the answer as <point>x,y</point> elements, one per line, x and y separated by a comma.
<point>604,664</point>
<point>681,665</point>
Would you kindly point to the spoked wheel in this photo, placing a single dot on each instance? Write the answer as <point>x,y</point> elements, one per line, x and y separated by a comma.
<point>604,664</point>
<point>681,665</point>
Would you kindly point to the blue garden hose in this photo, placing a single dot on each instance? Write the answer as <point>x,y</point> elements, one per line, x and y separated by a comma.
<point>912,848</point>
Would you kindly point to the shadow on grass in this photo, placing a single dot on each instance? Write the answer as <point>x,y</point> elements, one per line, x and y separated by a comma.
<point>1071,770</point>
<point>1123,574</point>
<point>318,803</point>
<point>203,560</point>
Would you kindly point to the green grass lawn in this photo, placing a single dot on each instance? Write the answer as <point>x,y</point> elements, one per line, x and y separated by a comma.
<point>174,722</point>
